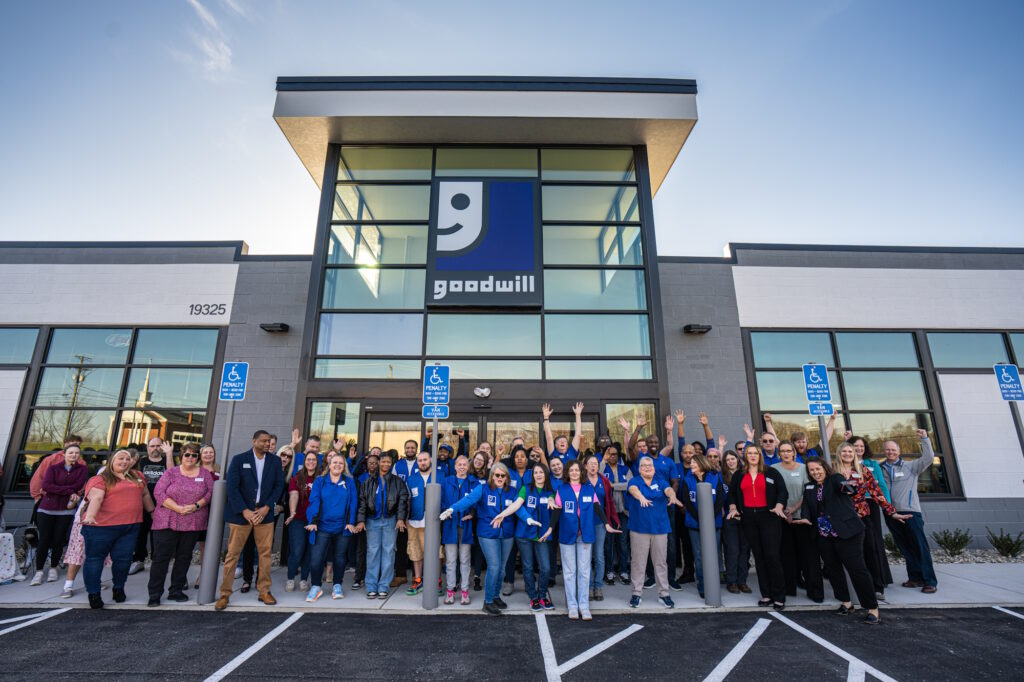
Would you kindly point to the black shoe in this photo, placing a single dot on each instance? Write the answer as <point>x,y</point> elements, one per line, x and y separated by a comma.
<point>780,606</point>
<point>687,579</point>
<point>872,619</point>
<point>500,603</point>
<point>551,581</point>
<point>673,585</point>
<point>154,601</point>
<point>492,609</point>
<point>844,610</point>
<point>95,602</point>
<point>119,595</point>
<point>764,602</point>
<point>648,583</point>
<point>356,584</point>
<point>818,600</point>
<point>476,586</point>
<point>246,586</point>
<point>178,597</point>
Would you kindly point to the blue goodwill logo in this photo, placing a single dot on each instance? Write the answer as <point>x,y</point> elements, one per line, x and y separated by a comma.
<point>485,243</point>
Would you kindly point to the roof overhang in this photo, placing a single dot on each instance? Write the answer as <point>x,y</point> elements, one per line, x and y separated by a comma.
<point>658,113</point>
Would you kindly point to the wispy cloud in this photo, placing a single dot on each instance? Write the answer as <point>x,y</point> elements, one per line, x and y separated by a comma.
<point>210,51</point>
<point>236,7</point>
<point>204,15</point>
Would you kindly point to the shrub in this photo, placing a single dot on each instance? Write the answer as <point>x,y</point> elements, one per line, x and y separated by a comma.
<point>953,542</point>
<point>890,545</point>
<point>1005,543</point>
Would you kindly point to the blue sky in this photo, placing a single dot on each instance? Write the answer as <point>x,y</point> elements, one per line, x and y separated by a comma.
<point>820,122</point>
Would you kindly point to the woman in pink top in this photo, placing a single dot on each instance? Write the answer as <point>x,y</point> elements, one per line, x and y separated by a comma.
<point>182,496</point>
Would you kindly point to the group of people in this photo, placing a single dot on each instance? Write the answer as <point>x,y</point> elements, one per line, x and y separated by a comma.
<point>609,513</point>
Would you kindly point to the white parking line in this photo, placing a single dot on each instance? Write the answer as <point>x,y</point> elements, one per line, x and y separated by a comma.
<point>1012,613</point>
<point>726,665</point>
<point>552,671</point>
<point>34,619</point>
<point>548,649</point>
<point>857,668</point>
<point>248,653</point>
<point>595,650</point>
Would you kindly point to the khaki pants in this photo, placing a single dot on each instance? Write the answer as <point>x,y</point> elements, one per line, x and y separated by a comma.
<point>414,547</point>
<point>640,545</point>
<point>237,535</point>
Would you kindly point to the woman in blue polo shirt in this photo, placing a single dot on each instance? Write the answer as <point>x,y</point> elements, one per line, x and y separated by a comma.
<point>333,504</point>
<point>532,539</point>
<point>457,533</point>
<point>616,546</point>
<point>649,527</point>
<point>495,529</point>
<point>701,472</point>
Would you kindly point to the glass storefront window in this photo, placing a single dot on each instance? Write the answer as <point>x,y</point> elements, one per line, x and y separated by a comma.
<point>885,390</point>
<point>594,290</point>
<point>47,429</point>
<point>1017,341</point>
<point>385,163</point>
<point>367,203</point>
<point>89,346</point>
<point>599,165</point>
<point>374,288</point>
<point>603,370</point>
<point>876,428</point>
<point>367,368</point>
<point>471,430</point>
<point>493,335</point>
<point>377,245</point>
<point>175,347</point>
<point>334,421</point>
<point>592,245</point>
<point>590,203</point>
<point>630,411</point>
<point>596,335</point>
<point>391,434</point>
<point>167,387</point>
<point>790,349</point>
<point>16,346</point>
<point>479,161</point>
<point>877,349</point>
<point>370,334</point>
<point>503,433</point>
<point>136,427</point>
<point>784,391</point>
<point>786,425</point>
<point>469,370</point>
<point>80,387</point>
<point>966,349</point>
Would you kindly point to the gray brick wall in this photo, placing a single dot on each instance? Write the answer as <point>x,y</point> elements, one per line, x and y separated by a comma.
<point>706,372</point>
<point>974,515</point>
<point>267,291</point>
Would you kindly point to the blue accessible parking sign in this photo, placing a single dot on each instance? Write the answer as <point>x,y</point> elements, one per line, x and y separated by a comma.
<point>232,381</point>
<point>1008,377</point>
<point>816,384</point>
<point>435,411</point>
<point>821,409</point>
<point>435,385</point>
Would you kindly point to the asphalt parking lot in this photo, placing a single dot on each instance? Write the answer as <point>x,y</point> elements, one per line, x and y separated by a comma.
<point>911,644</point>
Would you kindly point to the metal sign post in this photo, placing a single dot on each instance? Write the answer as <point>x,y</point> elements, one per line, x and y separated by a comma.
<point>234,379</point>
<point>436,393</point>
<point>819,399</point>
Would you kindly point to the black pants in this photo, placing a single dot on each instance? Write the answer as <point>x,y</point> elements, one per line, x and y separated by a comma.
<point>874,549</point>
<point>848,553</point>
<point>53,535</point>
<point>402,555</point>
<point>249,558</point>
<point>799,554</point>
<point>764,534</point>
<point>142,542</point>
<point>683,538</point>
<point>359,542</point>
<point>167,545</point>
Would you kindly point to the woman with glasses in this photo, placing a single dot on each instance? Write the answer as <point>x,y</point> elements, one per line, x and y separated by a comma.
<point>649,527</point>
<point>799,548</point>
<point>616,546</point>
<point>478,470</point>
<point>533,538</point>
<point>182,497</point>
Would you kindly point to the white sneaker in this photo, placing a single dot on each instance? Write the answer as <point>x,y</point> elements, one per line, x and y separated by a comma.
<point>289,586</point>
<point>506,589</point>
<point>238,573</point>
<point>304,585</point>
<point>585,614</point>
<point>37,579</point>
<point>52,576</point>
<point>574,614</point>
<point>67,593</point>
<point>136,567</point>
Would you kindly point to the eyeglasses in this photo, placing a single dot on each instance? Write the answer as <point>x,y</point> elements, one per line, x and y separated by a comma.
<point>190,454</point>
<point>500,476</point>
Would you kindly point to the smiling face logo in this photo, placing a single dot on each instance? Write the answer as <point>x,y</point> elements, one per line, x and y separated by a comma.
<point>460,216</point>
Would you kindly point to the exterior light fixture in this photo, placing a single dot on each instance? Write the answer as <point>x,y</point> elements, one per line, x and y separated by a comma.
<point>274,327</point>
<point>696,329</point>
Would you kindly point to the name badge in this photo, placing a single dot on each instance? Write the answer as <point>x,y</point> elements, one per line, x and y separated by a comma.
<point>795,474</point>
<point>855,475</point>
<point>415,492</point>
<point>570,507</point>
<point>514,483</point>
<point>247,466</point>
<point>492,500</point>
<point>508,502</point>
<point>587,498</point>
<point>898,474</point>
<point>809,486</point>
<point>769,480</point>
<point>199,480</point>
<point>543,500</point>
<point>654,486</point>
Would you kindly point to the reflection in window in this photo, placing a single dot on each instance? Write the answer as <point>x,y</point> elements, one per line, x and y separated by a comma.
<point>80,387</point>
<point>505,432</point>
<point>785,391</point>
<point>391,434</point>
<point>900,427</point>
<point>175,347</point>
<point>367,203</point>
<point>604,370</point>
<point>470,370</point>
<point>597,165</point>
<point>334,421</point>
<point>877,349</point>
<point>47,429</point>
<point>167,387</point>
<point>367,368</point>
<point>885,390</point>
<point>370,334</point>
<point>590,203</point>
<point>495,335</point>
<point>786,425</point>
<point>966,349</point>
<point>479,161</point>
<point>471,430</point>
<point>594,290</point>
<point>630,412</point>
<point>596,335</point>
<point>385,163</point>
<point>89,346</point>
<point>16,346</point>
<point>1017,341</point>
<point>374,288</point>
<point>790,349</point>
<point>377,245</point>
<point>592,245</point>
<point>179,426</point>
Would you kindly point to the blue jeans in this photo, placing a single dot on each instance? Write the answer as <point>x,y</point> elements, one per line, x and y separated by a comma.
<point>381,536</point>
<point>299,550</point>
<point>617,546</point>
<point>320,551</point>
<point>532,551</point>
<point>119,543</point>
<point>496,552</point>
<point>597,575</point>
<point>697,554</point>
<point>576,574</point>
<point>913,545</point>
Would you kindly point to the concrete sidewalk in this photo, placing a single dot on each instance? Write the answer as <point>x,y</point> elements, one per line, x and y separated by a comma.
<point>959,585</point>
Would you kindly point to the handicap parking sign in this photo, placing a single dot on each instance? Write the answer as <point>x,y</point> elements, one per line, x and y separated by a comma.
<point>1008,377</point>
<point>816,384</point>
<point>435,385</point>
<point>233,380</point>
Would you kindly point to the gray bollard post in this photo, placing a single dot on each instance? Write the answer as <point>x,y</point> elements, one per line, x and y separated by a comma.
<point>825,450</point>
<point>431,545</point>
<point>214,539</point>
<point>708,546</point>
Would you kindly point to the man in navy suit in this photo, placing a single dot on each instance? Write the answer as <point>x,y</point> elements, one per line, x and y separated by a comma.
<point>255,482</point>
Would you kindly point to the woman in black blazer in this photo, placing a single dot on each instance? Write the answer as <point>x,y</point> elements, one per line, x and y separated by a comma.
<point>757,499</point>
<point>828,505</point>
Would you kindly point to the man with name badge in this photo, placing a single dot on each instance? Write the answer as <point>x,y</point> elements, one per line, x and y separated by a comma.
<point>417,483</point>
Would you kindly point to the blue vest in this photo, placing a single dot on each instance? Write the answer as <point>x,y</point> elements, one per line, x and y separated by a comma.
<point>712,477</point>
<point>453,490</point>
<point>535,506</point>
<point>489,503</point>
<point>577,517</point>
<point>517,482</point>
<point>418,494</point>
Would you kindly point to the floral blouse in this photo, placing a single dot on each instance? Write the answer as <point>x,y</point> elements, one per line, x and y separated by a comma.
<point>868,486</point>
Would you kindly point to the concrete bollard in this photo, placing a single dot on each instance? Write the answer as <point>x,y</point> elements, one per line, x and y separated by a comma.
<point>708,546</point>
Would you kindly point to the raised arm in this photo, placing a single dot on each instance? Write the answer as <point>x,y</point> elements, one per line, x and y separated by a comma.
<point>702,417</point>
<point>927,458</point>
<point>768,426</point>
<point>546,412</point>
<point>578,411</point>
<point>641,422</point>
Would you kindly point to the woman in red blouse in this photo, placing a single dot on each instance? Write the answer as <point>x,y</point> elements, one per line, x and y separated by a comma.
<point>758,500</point>
<point>868,493</point>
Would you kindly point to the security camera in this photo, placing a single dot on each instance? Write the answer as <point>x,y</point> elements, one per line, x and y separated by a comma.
<point>482,392</point>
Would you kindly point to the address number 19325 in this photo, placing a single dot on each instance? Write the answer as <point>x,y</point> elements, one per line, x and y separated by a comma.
<point>207,309</point>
